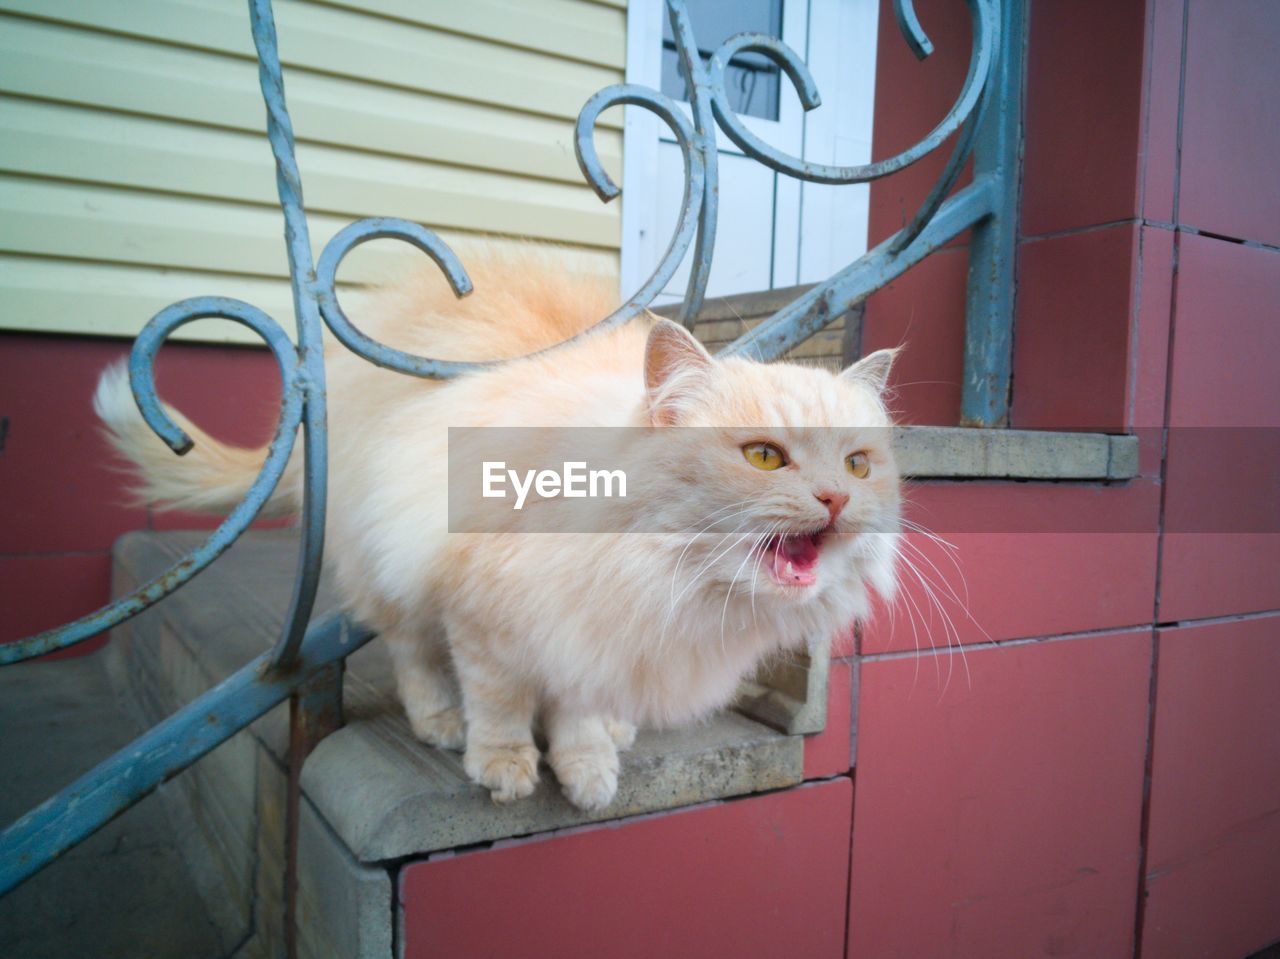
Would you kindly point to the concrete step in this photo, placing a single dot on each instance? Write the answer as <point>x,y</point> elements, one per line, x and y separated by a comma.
<point>126,892</point>
<point>198,869</point>
<point>373,798</point>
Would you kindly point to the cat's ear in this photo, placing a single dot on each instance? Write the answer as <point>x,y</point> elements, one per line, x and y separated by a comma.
<point>872,370</point>
<point>674,363</point>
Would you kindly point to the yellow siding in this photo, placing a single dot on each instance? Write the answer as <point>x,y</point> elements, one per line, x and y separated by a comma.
<point>134,170</point>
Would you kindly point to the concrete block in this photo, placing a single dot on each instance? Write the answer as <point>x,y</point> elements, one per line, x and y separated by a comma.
<point>371,792</point>
<point>944,452</point>
<point>344,907</point>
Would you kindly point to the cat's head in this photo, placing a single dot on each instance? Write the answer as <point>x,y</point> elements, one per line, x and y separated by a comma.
<point>782,475</point>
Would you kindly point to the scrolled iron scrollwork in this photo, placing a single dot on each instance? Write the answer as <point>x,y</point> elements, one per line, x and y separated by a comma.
<point>347,239</point>
<point>691,205</point>
<point>904,12</point>
<point>147,346</point>
<point>964,114</point>
<point>300,652</point>
<point>985,26</point>
<point>142,383</point>
<point>696,221</point>
<point>428,242</point>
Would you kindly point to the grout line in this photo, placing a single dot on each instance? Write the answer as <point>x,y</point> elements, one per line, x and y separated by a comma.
<point>1218,620</point>
<point>1144,137</point>
<point>1226,238</point>
<point>1144,814</point>
<point>1001,643</point>
<point>551,834</point>
<point>848,861</point>
<point>1060,637</point>
<point>1165,225</point>
<point>855,702</point>
<point>1144,828</point>
<point>1137,273</point>
<point>1079,230</point>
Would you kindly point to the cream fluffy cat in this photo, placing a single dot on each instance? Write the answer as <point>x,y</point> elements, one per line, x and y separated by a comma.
<point>761,529</point>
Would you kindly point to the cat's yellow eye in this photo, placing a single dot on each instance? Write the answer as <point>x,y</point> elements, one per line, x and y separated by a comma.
<point>859,465</point>
<point>764,456</point>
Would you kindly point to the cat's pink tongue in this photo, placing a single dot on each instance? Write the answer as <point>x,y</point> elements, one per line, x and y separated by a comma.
<point>794,561</point>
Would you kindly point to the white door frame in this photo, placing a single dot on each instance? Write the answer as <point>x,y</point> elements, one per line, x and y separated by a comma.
<point>830,227</point>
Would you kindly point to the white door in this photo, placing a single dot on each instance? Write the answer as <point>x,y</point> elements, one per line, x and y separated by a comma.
<point>773,231</point>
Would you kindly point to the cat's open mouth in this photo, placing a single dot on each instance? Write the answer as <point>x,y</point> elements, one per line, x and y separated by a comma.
<point>793,560</point>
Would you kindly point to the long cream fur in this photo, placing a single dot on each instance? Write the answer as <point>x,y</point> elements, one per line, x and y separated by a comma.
<point>586,634</point>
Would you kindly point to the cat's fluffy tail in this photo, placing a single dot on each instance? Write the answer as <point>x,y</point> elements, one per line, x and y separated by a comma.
<point>211,478</point>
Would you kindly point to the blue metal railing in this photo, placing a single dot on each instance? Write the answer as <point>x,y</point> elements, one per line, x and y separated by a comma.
<point>305,666</point>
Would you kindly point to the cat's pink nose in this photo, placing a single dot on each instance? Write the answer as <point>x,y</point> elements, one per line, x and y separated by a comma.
<point>834,502</point>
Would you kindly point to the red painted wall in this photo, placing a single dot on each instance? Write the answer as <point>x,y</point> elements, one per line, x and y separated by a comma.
<point>65,498</point>
<point>757,877</point>
<point>1099,775</point>
<point>1096,772</point>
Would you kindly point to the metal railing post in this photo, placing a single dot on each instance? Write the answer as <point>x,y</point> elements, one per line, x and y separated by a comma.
<point>315,711</point>
<point>997,155</point>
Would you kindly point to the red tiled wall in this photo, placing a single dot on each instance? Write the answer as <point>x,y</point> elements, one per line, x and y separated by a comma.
<point>765,876</point>
<point>1221,554</point>
<point>911,97</point>
<point>1215,774</point>
<point>999,807</point>
<point>1086,65</point>
<point>65,496</point>
<point>923,309</point>
<point>1072,334</point>
<point>1231,120</point>
<point>1021,560</point>
<point>1212,882</point>
<point>1083,114</point>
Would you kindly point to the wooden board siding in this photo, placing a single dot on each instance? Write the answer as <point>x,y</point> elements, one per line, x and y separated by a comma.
<point>134,170</point>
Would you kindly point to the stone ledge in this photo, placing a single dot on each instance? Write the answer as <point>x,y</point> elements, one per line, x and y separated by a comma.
<point>927,452</point>
<point>942,452</point>
<point>385,795</point>
<point>388,797</point>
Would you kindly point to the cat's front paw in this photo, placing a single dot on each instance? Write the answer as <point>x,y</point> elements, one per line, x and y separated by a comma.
<point>508,772</point>
<point>589,781</point>
<point>445,728</point>
<point>621,732</point>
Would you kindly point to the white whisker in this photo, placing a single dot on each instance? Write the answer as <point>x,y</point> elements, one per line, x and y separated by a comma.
<point>694,537</point>
<point>751,554</point>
